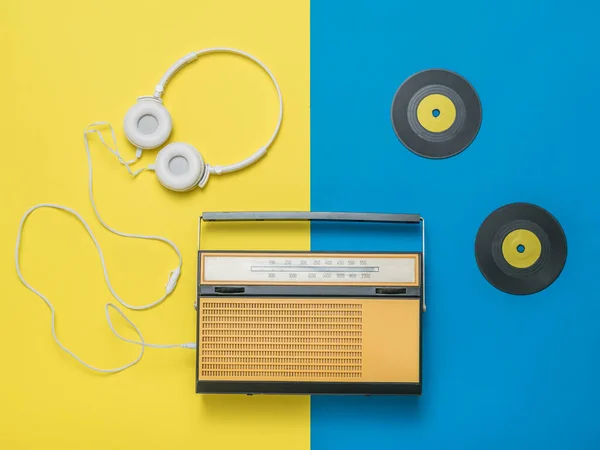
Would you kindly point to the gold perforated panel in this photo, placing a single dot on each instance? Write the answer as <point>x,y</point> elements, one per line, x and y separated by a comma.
<point>306,340</point>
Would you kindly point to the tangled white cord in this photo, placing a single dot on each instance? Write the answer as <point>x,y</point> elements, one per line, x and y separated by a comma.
<point>170,285</point>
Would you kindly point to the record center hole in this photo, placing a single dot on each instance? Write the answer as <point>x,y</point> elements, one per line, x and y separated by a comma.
<point>520,248</point>
<point>435,112</point>
<point>178,165</point>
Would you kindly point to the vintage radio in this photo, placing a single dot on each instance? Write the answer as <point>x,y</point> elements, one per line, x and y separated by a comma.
<point>300,322</point>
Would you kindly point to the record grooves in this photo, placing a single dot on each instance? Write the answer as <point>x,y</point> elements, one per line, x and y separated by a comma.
<point>521,248</point>
<point>436,114</point>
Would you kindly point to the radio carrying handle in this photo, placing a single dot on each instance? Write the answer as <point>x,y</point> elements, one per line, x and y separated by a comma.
<point>287,216</point>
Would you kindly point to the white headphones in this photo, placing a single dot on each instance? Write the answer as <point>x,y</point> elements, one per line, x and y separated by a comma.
<point>179,166</point>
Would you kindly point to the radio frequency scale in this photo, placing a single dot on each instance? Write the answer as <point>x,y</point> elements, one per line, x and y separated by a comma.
<point>310,322</point>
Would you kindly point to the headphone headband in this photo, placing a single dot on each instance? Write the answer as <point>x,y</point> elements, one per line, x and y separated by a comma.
<point>160,87</point>
<point>177,66</point>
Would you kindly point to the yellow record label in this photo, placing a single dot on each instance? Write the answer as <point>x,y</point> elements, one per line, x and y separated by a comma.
<point>521,248</point>
<point>436,113</point>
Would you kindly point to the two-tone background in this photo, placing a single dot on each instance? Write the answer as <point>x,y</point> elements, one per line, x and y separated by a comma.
<point>499,371</point>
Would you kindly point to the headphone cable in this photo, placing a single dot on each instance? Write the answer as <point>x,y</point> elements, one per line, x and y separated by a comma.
<point>170,285</point>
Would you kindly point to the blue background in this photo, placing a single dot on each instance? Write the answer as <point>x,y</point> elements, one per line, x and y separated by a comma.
<point>500,371</point>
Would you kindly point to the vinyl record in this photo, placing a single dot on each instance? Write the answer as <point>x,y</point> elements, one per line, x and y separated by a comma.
<point>521,248</point>
<point>436,114</point>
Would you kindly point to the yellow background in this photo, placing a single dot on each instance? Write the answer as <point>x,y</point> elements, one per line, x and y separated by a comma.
<point>70,63</point>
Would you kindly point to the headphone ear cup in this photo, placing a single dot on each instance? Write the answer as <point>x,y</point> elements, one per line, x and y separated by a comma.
<point>147,124</point>
<point>179,167</point>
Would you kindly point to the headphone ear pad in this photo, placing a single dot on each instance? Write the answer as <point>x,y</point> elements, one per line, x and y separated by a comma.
<point>179,167</point>
<point>147,124</point>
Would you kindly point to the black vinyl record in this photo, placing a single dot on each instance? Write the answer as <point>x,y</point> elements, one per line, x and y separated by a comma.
<point>436,114</point>
<point>521,248</point>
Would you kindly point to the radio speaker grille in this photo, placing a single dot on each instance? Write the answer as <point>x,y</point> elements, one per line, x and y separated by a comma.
<point>280,340</point>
